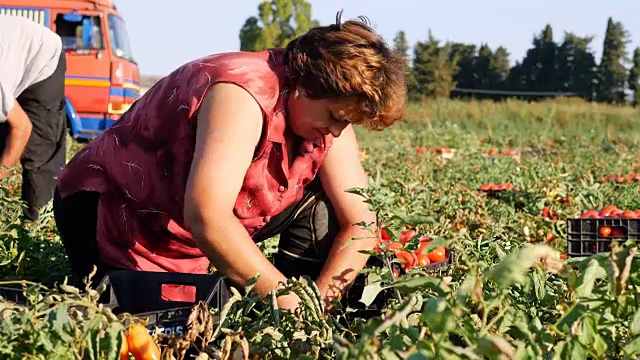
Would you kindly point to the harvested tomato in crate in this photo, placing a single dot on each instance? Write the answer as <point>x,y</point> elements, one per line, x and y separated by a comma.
<point>432,260</point>
<point>593,231</point>
<point>420,258</point>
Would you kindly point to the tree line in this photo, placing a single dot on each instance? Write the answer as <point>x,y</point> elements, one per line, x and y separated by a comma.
<point>452,69</point>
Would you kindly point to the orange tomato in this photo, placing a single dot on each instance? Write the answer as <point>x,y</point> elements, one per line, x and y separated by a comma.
<point>437,255</point>
<point>124,349</point>
<point>141,344</point>
<point>549,237</point>
<point>394,247</point>
<point>604,231</point>
<point>628,214</point>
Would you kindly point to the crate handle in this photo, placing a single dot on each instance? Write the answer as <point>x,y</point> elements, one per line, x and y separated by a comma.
<point>171,292</point>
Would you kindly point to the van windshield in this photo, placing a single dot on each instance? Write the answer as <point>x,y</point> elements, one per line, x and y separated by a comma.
<point>119,38</point>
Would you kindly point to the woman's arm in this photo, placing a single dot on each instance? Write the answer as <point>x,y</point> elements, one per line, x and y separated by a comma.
<point>229,128</point>
<point>341,171</point>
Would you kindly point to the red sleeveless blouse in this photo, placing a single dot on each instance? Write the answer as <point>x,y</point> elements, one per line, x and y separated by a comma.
<point>140,164</point>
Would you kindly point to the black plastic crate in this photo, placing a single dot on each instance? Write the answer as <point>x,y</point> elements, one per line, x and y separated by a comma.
<point>584,238</point>
<point>139,293</point>
<point>354,293</point>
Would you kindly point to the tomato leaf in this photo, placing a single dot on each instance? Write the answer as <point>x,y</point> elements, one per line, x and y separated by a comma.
<point>495,347</point>
<point>586,280</point>
<point>632,347</point>
<point>635,323</point>
<point>412,220</point>
<point>60,322</point>
<point>370,293</point>
<point>512,268</point>
<point>407,284</point>
<point>438,316</point>
<point>112,342</point>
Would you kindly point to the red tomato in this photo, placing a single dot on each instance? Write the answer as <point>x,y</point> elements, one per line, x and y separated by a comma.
<point>407,259</point>
<point>423,260</point>
<point>384,235</point>
<point>604,231</point>
<point>616,213</point>
<point>606,211</point>
<point>590,214</point>
<point>424,242</point>
<point>617,232</point>
<point>437,255</point>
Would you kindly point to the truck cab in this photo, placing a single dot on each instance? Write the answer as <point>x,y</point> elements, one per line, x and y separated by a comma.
<point>102,79</point>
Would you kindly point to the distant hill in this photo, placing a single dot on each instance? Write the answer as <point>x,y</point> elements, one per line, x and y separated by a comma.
<point>147,81</point>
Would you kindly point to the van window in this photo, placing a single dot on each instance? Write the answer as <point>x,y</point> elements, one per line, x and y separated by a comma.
<point>72,33</point>
<point>119,38</point>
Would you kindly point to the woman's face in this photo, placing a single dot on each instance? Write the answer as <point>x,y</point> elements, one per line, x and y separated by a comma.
<point>312,118</point>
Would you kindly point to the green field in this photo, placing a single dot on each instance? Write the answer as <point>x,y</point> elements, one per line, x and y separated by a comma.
<point>509,294</point>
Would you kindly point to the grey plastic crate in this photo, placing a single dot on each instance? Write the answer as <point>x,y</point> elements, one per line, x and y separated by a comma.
<point>584,239</point>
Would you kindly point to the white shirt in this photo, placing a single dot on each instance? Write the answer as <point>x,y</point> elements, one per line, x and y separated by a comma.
<point>29,53</point>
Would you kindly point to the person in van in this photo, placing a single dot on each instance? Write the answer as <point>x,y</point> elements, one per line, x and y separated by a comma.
<point>232,149</point>
<point>32,109</point>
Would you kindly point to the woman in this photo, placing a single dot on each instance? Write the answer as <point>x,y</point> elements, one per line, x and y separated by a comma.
<point>232,149</point>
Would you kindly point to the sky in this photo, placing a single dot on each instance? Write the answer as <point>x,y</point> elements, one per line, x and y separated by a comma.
<point>163,37</point>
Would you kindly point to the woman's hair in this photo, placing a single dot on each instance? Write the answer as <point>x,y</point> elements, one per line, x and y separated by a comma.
<point>349,61</point>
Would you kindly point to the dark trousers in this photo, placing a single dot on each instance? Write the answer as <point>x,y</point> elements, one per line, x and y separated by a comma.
<point>306,229</point>
<point>45,153</point>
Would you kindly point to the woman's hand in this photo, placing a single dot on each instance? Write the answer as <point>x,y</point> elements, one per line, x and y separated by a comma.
<point>289,302</point>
